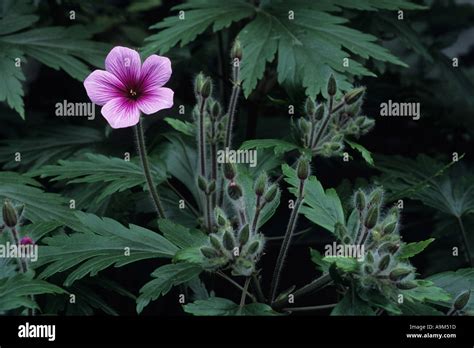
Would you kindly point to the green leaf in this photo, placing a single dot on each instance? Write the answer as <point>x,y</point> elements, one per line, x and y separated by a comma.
<point>347,264</point>
<point>351,304</point>
<point>455,283</point>
<point>100,243</point>
<point>181,236</point>
<point>39,205</point>
<point>165,278</point>
<point>278,146</point>
<point>317,259</point>
<point>11,90</point>
<point>217,306</point>
<point>15,291</point>
<point>426,291</point>
<point>119,174</point>
<point>412,249</point>
<point>366,154</point>
<point>324,208</point>
<point>184,127</point>
<point>48,144</point>
<point>198,16</point>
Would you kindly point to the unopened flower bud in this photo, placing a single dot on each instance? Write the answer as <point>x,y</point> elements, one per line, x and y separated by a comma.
<point>303,125</point>
<point>229,170</point>
<point>244,235</point>
<point>234,191</point>
<point>368,269</point>
<point>319,112</point>
<point>340,230</point>
<point>372,217</point>
<point>26,241</point>
<point>354,95</point>
<point>399,273</point>
<point>332,86</point>
<point>271,193</point>
<point>215,242</point>
<point>236,51</point>
<point>198,82</point>
<point>389,227</point>
<point>10,217</point>
<point>209,252</point>
<point>310,106</point>
<point>211,187</point>
<point>369,257</point>
<point>206,88</point>
<point>376,197</point>
<point>202,183</point>
<point>253,248</point>
<point>303,169</point>
<point>461,300</point>
<point>360,200</point>
<point>384,262</point>
<point>228,240</point>
<point>260,184</point>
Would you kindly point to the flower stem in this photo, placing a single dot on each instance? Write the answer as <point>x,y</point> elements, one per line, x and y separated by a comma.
<point>140,137</point>
<point>310,308</point>
<point>256,285</point>
<point>234,96</point>
<point>244,293</point>
<point>316,284</point>
<point>286,242</point>
<point>234,283</point>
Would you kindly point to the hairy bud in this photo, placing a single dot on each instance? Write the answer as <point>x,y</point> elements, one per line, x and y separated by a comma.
<point>310,106</point>
<point>10,217</point>
<point>399,273</point>
<point>303,169</point>
<point>372,217</point>
<point>229,170</point>
<point>384,262</point>
<point>236,51</point>
<point>271,193</point>
<point>354,95</point>
<point>332,86</point>
<point>360,200</point>
<point>461,300</point>
<point>261,184</point>
<point>228,240</point>
<point>209,252</point>
<point>234,191</point>
<point>244,235</point>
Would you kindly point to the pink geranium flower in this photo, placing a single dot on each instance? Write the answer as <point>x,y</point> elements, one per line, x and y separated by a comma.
<point>126,87</point>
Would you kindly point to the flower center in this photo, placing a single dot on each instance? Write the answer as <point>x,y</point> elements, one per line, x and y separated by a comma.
<point>132,93</point>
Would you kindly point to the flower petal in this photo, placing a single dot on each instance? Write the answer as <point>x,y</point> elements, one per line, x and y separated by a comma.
<point>101,86</point>
<point>125,64</point>
<point>121,112</point>
<point>151,102</point>
<point>156,71</point>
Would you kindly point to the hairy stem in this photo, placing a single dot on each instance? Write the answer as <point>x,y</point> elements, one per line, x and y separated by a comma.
<point>310,308</point>
<point>234,283</point>
<point>140,138</point>
<point>331,111</point>
<point>244,293</point>
<point>316,284</point>
<point>286,242</point>
<point>258,209</point>
<point>258,288</point>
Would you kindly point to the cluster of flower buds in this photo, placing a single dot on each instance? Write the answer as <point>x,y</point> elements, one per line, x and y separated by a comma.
<point>325,126</point>
<point>214,118</point>
<point>238,249</point>
<point>379,234</point>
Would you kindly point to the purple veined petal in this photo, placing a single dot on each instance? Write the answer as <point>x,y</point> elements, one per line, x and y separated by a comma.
<point>101,86</point>
<point>156,71</point>
<point>121,112</point>
<point>161,98</point>
<point>125,64</point>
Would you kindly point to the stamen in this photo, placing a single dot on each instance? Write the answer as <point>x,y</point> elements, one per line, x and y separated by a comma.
<point>132,93</point>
